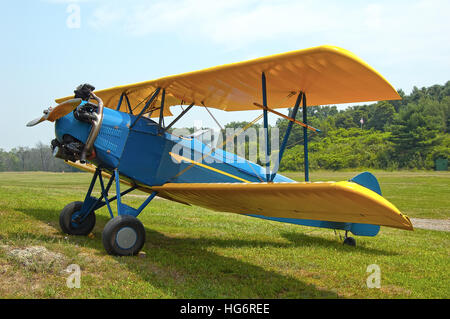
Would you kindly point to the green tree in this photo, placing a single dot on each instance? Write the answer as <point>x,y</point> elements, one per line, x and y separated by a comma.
<point>415,131</point>
<point>380,115</point>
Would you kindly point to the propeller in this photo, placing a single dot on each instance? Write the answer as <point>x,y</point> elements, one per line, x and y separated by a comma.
<point>52,114</point>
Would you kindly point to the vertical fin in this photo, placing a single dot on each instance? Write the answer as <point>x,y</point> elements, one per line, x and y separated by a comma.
<point>367,180</point>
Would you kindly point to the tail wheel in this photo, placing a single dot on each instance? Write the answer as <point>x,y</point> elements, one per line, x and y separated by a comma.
<point>349,240</point>
<point>72,222</point>
<point>123,236</point>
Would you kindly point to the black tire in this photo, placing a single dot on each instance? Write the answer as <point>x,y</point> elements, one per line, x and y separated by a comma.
<point>70,226</point>
<point>350,241</point>
<point>123,236</point>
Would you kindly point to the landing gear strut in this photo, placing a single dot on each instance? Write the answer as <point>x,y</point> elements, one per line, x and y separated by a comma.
<point>123,235</point>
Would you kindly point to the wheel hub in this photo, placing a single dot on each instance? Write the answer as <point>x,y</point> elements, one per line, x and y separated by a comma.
<point>126,237</point>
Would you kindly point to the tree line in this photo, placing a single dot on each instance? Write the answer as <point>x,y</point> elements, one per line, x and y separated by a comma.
<point>38,158</point>
<point>410,133</point>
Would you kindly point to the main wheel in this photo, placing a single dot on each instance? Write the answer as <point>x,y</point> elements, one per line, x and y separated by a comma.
<point>72,223</point>
<point>123,236</point>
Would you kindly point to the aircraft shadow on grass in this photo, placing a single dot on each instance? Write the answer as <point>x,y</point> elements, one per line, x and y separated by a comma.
<point>184,261</point>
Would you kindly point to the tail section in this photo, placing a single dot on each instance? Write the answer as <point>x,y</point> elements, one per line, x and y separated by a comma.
<point>366,180</point>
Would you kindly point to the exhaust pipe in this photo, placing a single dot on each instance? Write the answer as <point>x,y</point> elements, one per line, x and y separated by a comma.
<point>96,125</point>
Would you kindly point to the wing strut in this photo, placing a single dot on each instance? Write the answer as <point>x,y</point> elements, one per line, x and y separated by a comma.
<point>217,122</point>
<point>129,104</point>
<point>124,95</point>
<point>179,117</point>
<point>305,138</point>
<point>120,101</point>
<point>161,113</point>
<point>266,126</point>
<point>300,98</point>
<point>287,134</point>
<point>149,102</point>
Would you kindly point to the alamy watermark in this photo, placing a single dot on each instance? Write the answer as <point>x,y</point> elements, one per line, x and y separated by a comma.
<point>74,279</point>
<point>73,20</point>
<point>231,145</point>
<point>374,279</point>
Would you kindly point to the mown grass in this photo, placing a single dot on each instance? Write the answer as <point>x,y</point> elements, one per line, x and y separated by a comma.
<point>196,253</point>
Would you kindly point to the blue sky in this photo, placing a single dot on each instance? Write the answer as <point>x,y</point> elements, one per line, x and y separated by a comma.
<point>119,42</point>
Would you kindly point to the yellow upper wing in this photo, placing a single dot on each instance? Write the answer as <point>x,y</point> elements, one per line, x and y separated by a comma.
<point>327,74</point>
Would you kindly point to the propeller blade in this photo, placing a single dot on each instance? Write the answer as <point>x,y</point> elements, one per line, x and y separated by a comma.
<point>52,114</point>
<point>36,121</point>
<point>63,109</point>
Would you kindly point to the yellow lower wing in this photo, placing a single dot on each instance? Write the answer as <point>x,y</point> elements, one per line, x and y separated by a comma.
<point>328,201</point>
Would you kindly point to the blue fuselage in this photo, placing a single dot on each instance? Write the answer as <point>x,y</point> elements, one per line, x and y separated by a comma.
<point>143,153</point>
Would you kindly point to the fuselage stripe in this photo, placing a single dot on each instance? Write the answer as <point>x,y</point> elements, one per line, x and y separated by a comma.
<point>179,158</point>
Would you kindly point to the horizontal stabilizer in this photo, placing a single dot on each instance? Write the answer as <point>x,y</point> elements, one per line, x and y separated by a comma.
<point>355,228</point>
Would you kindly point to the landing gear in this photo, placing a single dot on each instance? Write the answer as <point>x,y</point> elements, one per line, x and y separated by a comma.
<point>349,240</point>
<point>72,222</point>
<point>123,236</point>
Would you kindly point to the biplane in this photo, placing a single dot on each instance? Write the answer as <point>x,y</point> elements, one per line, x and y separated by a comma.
<point>119,134</point>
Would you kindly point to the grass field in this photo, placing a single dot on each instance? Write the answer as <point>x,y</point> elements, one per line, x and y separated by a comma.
<point>192,252</point>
